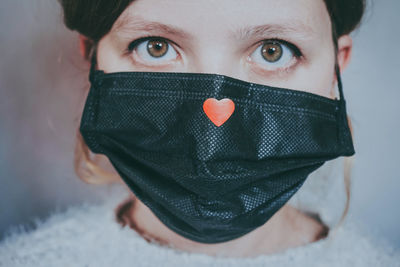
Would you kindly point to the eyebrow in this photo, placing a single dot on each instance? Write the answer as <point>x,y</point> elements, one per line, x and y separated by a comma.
<point>127,26</point>
<point>297,28</point>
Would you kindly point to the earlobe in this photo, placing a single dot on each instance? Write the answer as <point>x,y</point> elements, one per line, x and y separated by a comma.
<point>345,45</point>
<point>85,45</point>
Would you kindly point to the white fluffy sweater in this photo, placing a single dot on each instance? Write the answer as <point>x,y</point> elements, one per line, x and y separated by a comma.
<point>88,235</point>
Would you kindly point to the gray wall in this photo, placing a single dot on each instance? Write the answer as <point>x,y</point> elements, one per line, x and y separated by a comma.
<point>41,83</point>
<point>373,91</point>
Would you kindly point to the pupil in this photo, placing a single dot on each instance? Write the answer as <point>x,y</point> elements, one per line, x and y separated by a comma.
<point>158,46</point>
<point>271,50</point>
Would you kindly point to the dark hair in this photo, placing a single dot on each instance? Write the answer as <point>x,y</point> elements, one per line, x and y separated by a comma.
<point>94,19</point>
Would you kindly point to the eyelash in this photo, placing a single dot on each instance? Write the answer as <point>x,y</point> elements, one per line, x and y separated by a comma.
<point>132,45</point>
<point>296,51</point>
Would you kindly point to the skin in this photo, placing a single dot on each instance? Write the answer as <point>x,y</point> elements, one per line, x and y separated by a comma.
<point>210,47</point>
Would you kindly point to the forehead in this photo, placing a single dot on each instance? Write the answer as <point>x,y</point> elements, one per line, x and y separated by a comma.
<point>218,16</point>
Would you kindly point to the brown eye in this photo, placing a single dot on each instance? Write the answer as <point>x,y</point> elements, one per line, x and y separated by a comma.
<point>157,48</point>
<point>152,51</point>
<point>271,51</point>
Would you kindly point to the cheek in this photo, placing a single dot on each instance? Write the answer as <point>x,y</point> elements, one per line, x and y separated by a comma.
<point>317,77</point>
<point>109,57</point>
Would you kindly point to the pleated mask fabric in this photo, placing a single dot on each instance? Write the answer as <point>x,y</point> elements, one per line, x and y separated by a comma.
<point>212,156</point>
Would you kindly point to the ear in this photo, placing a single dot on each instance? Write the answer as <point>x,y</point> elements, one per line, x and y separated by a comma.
<point>85,45</point>
<point>345,45</point>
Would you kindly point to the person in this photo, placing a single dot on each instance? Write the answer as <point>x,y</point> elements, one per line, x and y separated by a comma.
<point>302,45</point>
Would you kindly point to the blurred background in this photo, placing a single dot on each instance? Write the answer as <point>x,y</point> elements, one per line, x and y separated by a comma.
<point>42,82</point>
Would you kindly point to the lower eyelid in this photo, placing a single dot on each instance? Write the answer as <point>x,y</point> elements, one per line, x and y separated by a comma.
<point>275,71</point>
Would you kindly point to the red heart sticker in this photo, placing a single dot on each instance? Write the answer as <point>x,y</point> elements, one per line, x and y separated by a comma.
<point>218,111</point>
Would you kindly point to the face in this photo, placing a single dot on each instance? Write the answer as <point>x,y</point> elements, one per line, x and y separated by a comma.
<point>283,43</point>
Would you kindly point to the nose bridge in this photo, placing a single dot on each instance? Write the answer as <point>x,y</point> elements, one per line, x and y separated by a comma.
<point>216,58</point>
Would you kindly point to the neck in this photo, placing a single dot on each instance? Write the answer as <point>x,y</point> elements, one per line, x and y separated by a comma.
<point>285,229</point>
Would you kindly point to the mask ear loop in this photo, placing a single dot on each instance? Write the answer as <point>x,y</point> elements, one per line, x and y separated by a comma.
<point>339,80</point>
<point>93,62</point>
<point>337,68</point>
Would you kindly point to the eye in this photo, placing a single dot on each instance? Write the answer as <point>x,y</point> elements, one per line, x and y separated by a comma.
<point>152,50</point>
<point>274,54</point>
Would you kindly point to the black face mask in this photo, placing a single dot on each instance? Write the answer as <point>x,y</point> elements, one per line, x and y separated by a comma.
<point>211,171</point>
